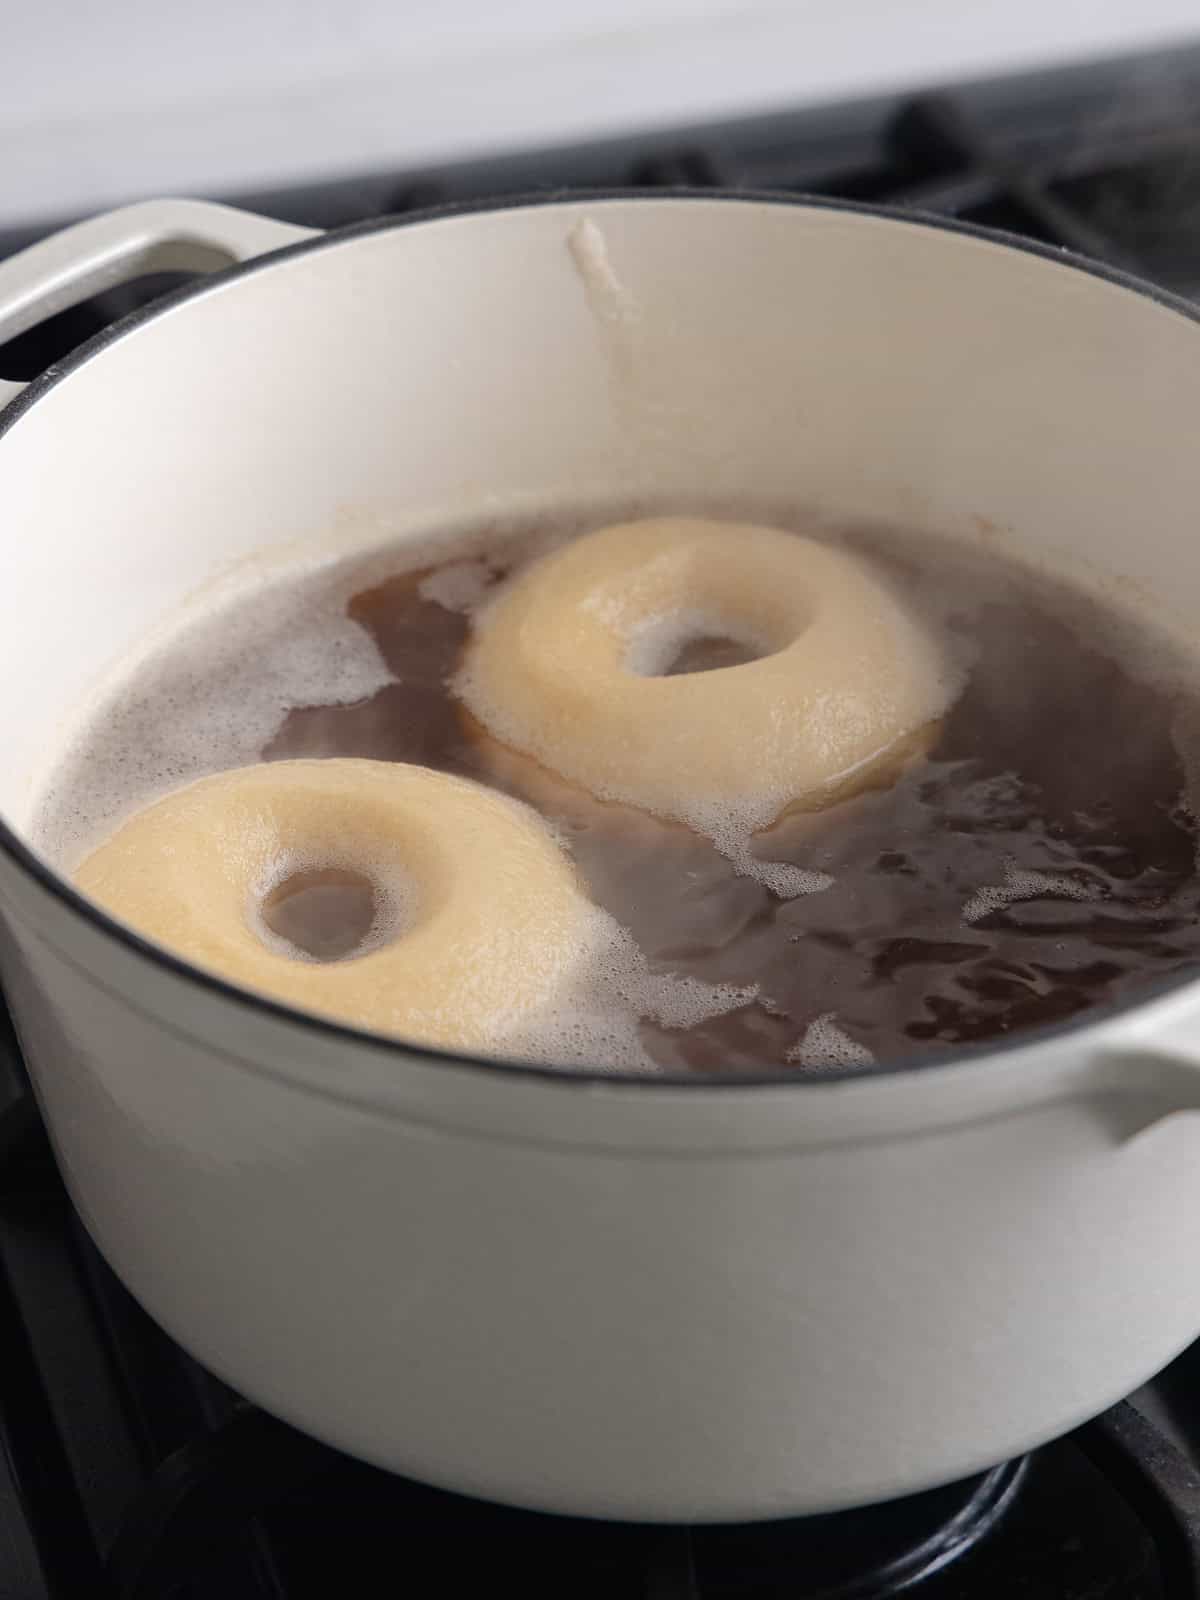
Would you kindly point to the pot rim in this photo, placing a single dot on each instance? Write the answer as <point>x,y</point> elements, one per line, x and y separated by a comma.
<point>28,862</point>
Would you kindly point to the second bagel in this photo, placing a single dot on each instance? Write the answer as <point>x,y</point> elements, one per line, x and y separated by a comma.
<point>569,665</point>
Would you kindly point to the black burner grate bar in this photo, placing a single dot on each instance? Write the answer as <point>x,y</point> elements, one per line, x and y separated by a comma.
<point>671,1567</point>
<point>933,135</point>
<point>205,1498</point>
<point>1159,1483</point>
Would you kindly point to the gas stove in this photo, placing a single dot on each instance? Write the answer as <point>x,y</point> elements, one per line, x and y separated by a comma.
<point>128,1471</point>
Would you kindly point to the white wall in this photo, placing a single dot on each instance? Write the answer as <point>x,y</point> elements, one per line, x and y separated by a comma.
<point>102,101</point>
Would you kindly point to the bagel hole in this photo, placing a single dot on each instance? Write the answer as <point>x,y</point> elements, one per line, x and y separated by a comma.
<point>710,652</point>
<point>323,913</point>
<point>686,642</point>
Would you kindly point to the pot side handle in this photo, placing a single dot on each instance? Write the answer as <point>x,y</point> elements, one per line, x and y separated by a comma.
<point>1144,1083</point>
<point>152,236</point>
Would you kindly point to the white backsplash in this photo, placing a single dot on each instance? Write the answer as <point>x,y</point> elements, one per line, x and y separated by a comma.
<point>104,102</point>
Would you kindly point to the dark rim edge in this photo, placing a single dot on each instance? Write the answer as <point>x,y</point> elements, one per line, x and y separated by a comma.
<point>414,1053</point>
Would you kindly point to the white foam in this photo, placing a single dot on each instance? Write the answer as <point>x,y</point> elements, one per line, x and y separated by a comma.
<point>784,879</point>
<point>824,1044</point>
<point>211,698</point>
<point>207,688</point>
<point>594,1022</point>
<point>1022,883</point>
<point>460,586</point>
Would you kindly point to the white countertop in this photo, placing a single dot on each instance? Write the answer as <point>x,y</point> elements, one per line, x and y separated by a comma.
<point>106,102</point>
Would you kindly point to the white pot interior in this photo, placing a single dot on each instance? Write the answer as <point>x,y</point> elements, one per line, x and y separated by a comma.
<point>683,351</point>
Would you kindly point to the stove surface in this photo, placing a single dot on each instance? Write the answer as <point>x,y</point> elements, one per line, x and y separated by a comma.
<point>129,1471</point>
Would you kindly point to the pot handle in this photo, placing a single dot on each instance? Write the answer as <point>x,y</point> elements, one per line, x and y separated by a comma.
<point>1145,1081</point>
<point>152,236</point>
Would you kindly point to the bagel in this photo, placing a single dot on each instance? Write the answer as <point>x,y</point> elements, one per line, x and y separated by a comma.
<point>569,665</point>
<point>480,918</point>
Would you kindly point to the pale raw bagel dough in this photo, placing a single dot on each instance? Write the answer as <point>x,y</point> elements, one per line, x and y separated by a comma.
<point>485,919</point>
<point>558,667</point>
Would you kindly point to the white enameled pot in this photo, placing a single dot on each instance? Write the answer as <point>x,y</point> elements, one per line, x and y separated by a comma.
<point>643,1299</point>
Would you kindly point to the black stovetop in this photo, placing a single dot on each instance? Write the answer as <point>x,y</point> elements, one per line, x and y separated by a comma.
<point>128,1471</point>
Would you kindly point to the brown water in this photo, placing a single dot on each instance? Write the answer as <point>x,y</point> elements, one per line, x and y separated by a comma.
<point>327,913</point>
<point>1036,861</point>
